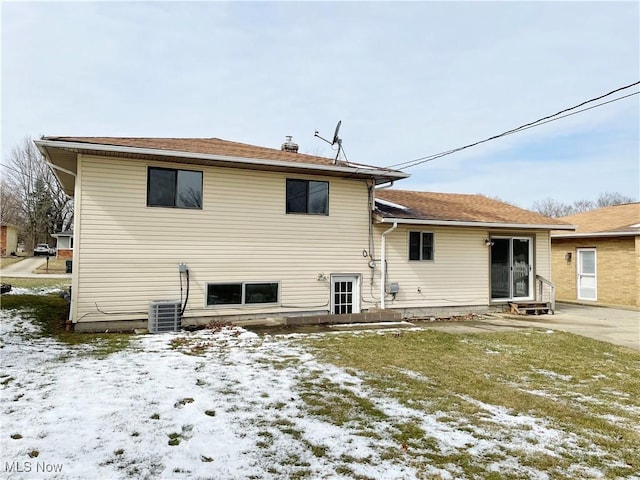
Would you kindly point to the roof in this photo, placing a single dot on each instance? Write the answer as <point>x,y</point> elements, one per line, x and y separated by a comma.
<point>429,208</point>
<point>211,146</point>
<point>614,220</point>
<point>61,151</point>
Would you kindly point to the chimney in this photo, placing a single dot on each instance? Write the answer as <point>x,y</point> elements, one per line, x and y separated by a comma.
<point>289,145</point>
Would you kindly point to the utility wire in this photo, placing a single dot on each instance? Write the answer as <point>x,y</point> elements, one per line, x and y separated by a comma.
<point>413,163</point>
<point>526,126</point>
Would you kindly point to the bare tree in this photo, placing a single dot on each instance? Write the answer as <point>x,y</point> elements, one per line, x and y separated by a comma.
<point>551,208</point>
<point>43,206</point>
<point>554,208</point>
<point>580,206</point>
<point>612,198</point>
<point>9,204</point>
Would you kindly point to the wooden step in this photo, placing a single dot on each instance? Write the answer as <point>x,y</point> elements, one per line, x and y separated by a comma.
<point>530,308</point>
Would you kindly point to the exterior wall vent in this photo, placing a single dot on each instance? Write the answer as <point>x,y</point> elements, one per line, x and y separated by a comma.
<point>164,316</point>
<point>289,145</point>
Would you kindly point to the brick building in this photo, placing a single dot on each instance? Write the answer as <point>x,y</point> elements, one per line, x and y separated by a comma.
<point>599,263</point>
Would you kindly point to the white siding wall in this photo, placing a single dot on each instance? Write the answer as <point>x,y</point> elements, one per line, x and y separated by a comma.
<point>543,255</point>
<point>127,254</point>
<point>459,273</point>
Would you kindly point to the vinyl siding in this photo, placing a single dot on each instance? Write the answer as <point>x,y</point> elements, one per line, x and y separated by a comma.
<point>459,273</point>
<point>128,254</point>
<point>543,255</point>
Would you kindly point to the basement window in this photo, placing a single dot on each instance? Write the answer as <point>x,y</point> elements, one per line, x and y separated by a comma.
<point>420,246</point>
<point>307,196</point>
<point>168,187</point>
<point>242,293</point>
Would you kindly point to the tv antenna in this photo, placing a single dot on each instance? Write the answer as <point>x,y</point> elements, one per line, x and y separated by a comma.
<point>335,140</point>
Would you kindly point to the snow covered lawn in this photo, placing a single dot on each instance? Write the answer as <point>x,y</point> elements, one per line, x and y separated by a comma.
<point>231,404</point>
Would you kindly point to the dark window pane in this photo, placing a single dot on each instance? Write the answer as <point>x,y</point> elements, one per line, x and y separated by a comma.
<point>261,293</point>
<point>500,268</point>
<point>427,246</point>
<point>189,189</point>
<point>319,198</point>
<point>161,187</point>
<point>414,245</point>
<point>297,196</point>
<point>224,294</point>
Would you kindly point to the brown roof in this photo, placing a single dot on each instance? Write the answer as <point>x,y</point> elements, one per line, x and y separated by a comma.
<point>612,219</point>
<point>208,146</point>
<point>455,207</point>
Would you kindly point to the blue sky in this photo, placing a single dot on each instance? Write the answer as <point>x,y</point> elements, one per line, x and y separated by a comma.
<point>407,80</point>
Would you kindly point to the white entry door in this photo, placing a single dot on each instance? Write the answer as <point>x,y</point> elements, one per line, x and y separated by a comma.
<point>587,274</point>
<point>345,294</point>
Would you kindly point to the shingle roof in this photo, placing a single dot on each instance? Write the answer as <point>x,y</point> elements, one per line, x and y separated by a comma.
<point>454,207</point>
<point>612,219</point>
<point>207,146</point>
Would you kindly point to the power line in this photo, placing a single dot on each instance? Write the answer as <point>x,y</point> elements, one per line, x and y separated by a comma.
<point>526,126</point>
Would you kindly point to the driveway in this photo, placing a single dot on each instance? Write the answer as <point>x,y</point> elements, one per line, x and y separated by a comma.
<point>613,325</point>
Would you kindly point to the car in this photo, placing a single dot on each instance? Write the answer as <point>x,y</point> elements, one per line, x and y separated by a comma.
<point>43,249</point>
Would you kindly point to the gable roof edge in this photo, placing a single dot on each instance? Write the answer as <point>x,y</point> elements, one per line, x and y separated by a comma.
<point>384,174</point>
<point>458,223</point>
<point>595,234</point>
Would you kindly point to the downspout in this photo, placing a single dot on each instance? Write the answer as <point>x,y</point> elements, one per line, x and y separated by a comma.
<point>383,186</point>
<point>383,262</point>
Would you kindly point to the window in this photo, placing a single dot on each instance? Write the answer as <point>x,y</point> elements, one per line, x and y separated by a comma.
<point>307,196</point>
<point>242,293</point>
<point>167,187</point>
<point>420,246</point>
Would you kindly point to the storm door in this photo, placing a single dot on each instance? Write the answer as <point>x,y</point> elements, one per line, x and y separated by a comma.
<point>587,282</point>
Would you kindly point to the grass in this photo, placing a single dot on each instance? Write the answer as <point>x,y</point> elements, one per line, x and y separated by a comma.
<point>6,261</point>
<point>587,391</point>
<point>56,265</point>
<point>50,313</point>
<point>574,384</point>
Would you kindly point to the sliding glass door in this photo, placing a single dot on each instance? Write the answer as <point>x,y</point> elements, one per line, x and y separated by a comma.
<point>511,268</point>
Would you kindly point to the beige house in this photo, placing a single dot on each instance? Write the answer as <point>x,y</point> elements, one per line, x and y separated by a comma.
<point>64,244</point>
<point>462,251</point>
<point>207,229</point>
<point>599,263</point>
<point>8,239</point>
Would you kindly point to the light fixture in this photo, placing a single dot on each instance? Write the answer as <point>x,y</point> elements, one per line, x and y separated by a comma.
<point>488,242</point>
<point>567,256</point>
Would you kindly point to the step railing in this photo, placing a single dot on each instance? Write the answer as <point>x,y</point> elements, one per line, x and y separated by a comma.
<point>547,294</point>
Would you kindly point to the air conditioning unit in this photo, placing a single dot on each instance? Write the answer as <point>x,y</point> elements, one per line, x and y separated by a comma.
<point>164,316</point>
